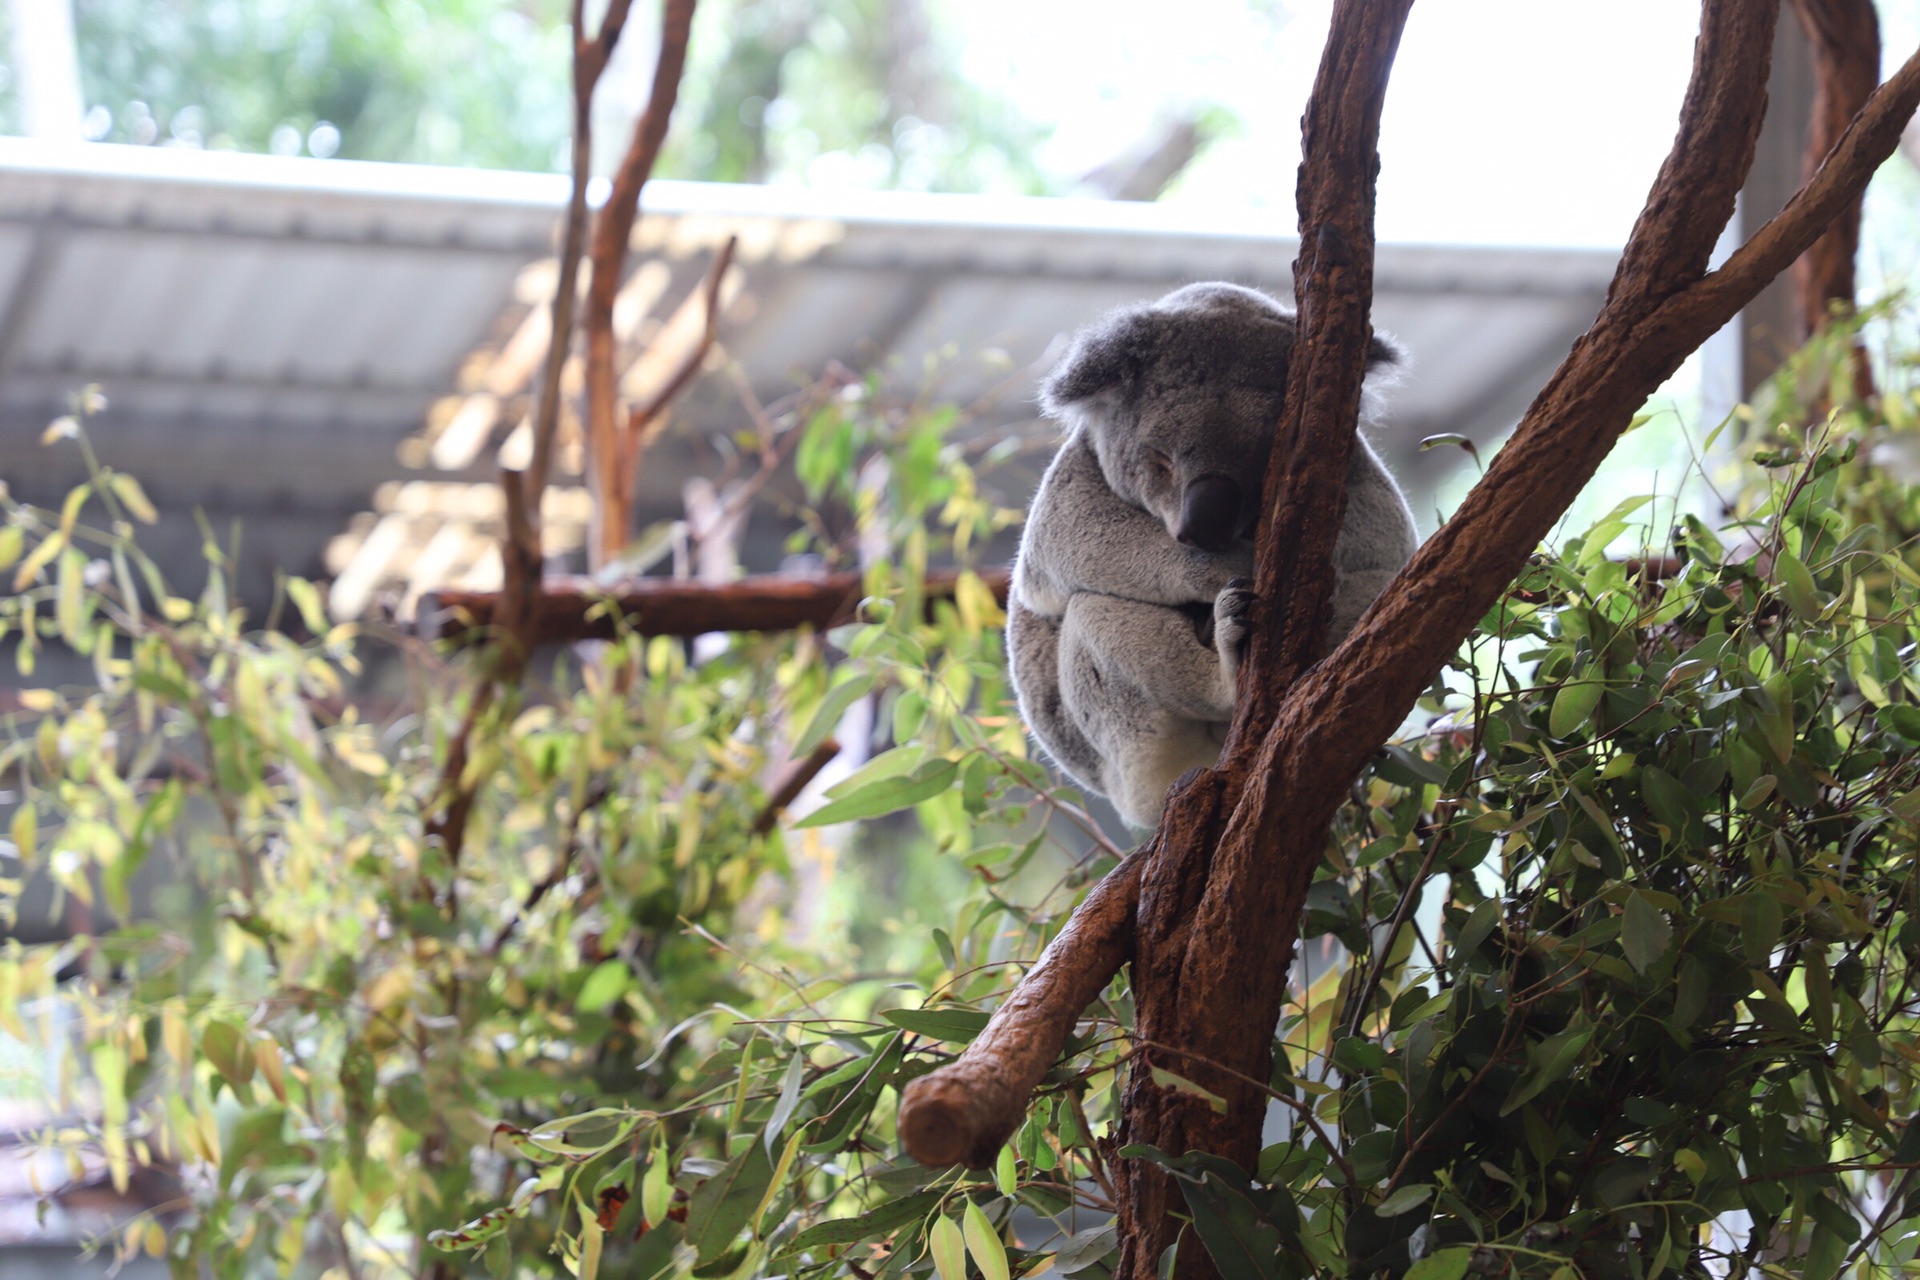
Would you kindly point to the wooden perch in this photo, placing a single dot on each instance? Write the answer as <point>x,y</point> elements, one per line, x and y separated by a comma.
<point>1222,940</point>
<point>676,607</point>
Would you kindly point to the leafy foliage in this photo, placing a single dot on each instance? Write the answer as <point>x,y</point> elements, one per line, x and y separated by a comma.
<point>479,82</point>
<point>1617,961</point>
<point>1608,972</point>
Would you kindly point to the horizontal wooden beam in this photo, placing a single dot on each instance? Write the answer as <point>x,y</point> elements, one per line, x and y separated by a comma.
<point>569,608</point>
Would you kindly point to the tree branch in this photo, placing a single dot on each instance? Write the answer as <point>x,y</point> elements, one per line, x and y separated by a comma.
<point>571,609</point>
<point>965,1111</point>
<point>798,776</point>
<point>642,417</point>
<point>612,231</point>
<point>1661,306</point>
<point>589,60</point>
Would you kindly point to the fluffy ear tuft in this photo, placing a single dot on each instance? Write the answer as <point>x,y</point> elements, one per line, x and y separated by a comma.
<point>1104,357</point>
<point>1385,350</point>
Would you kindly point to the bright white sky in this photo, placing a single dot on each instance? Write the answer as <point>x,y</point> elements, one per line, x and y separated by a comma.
<point>1508,121</point>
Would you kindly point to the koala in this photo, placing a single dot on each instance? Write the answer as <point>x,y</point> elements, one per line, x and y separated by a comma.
<point>1127,619</point>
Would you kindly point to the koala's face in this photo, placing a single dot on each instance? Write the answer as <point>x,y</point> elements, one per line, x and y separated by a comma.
<point>1181,398</point>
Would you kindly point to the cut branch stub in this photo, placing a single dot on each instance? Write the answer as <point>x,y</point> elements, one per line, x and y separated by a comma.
<point>965,1111</point>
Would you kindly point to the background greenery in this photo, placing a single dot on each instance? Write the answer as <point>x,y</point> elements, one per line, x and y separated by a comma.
<point>773,87</point>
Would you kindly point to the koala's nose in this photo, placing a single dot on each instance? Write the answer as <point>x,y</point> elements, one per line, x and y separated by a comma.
<point>1210,513</point>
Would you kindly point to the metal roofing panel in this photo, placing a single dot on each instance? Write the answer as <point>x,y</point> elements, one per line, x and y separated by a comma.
<point>269,325</point>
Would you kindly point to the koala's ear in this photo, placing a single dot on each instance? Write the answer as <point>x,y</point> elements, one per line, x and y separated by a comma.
<point>1384,352</point>
<point>1104,357</point>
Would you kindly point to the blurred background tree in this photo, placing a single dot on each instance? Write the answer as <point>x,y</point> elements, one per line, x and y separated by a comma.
<point>836,93</point>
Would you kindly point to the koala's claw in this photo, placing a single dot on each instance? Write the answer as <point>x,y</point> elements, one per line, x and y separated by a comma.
<point>1232,623</point>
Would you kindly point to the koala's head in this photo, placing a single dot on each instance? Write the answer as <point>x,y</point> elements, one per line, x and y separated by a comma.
<point>1180,399</point>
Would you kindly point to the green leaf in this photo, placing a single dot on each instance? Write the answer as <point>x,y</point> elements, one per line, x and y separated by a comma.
<point>1168,1080</point>
<point>1448,1264</point>
<point>1479,923</point>
<point>38,559</point>
<point>1243,1241</point>
<point>1006,1171</point>
<point>1411,1196</point>
<point>955,1026</point>
<point>656,1185</point>
<point>886,795</point>
<point>1405,768</point>
<point>25,831</point>
<point>949,1249</point>
<point>1551,1059</point>
<point>69,605</point>
<point>983,1242</point>
<point>132,497</point>
<point>586,1134</point>
<point>1825,1252</point>
<point>306,598</point>
<point>724,1203</point>
<point>789,1099</point>
<point>832,707</point>
<point>1901,719</point>
<point>225,1046</point>
<point>781,1168</point>
<point>609,980</point>
<point>1645,934</point>
<point>1453,438</point>
<point>874,1225</point>
<point>1573,705</point>
<point>1084,1248</point>
<point>1796,584</point>
<point>1674,806</point>
<point>1760,921</point>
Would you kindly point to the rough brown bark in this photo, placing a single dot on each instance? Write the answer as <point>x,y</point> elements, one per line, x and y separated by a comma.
<point>1220,903</point>
<point>569,609</point>
<point>1845,39</point>
<point>1221,943</point>
<point>965,1111</point>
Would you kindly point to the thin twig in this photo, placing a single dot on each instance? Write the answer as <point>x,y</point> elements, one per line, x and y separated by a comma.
<point>642,417</point>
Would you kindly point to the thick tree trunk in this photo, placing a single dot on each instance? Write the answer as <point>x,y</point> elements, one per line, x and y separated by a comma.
<point>1220,903</point>
<point>1219,890</point>
<point>1845,39</point>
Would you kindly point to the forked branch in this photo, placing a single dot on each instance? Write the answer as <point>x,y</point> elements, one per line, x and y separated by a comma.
<point>612,231</point>
<point>1662,305</point>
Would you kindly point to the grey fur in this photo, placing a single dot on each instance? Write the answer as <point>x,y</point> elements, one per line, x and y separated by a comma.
<point>1127,617</point>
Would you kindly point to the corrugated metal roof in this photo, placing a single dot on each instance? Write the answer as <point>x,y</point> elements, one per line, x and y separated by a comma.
<point>270,331</point>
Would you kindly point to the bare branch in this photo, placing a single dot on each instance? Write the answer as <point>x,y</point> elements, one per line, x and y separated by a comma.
<point>641,421</point>
<point>570,609</point>
<point>612,231</point>
<point>589,60</point>
<point>793,784</point>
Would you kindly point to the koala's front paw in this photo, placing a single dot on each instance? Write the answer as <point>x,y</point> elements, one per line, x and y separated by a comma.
<point>1232,624</point>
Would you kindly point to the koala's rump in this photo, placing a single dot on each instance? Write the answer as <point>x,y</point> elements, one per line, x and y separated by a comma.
<point>1033,660</point>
